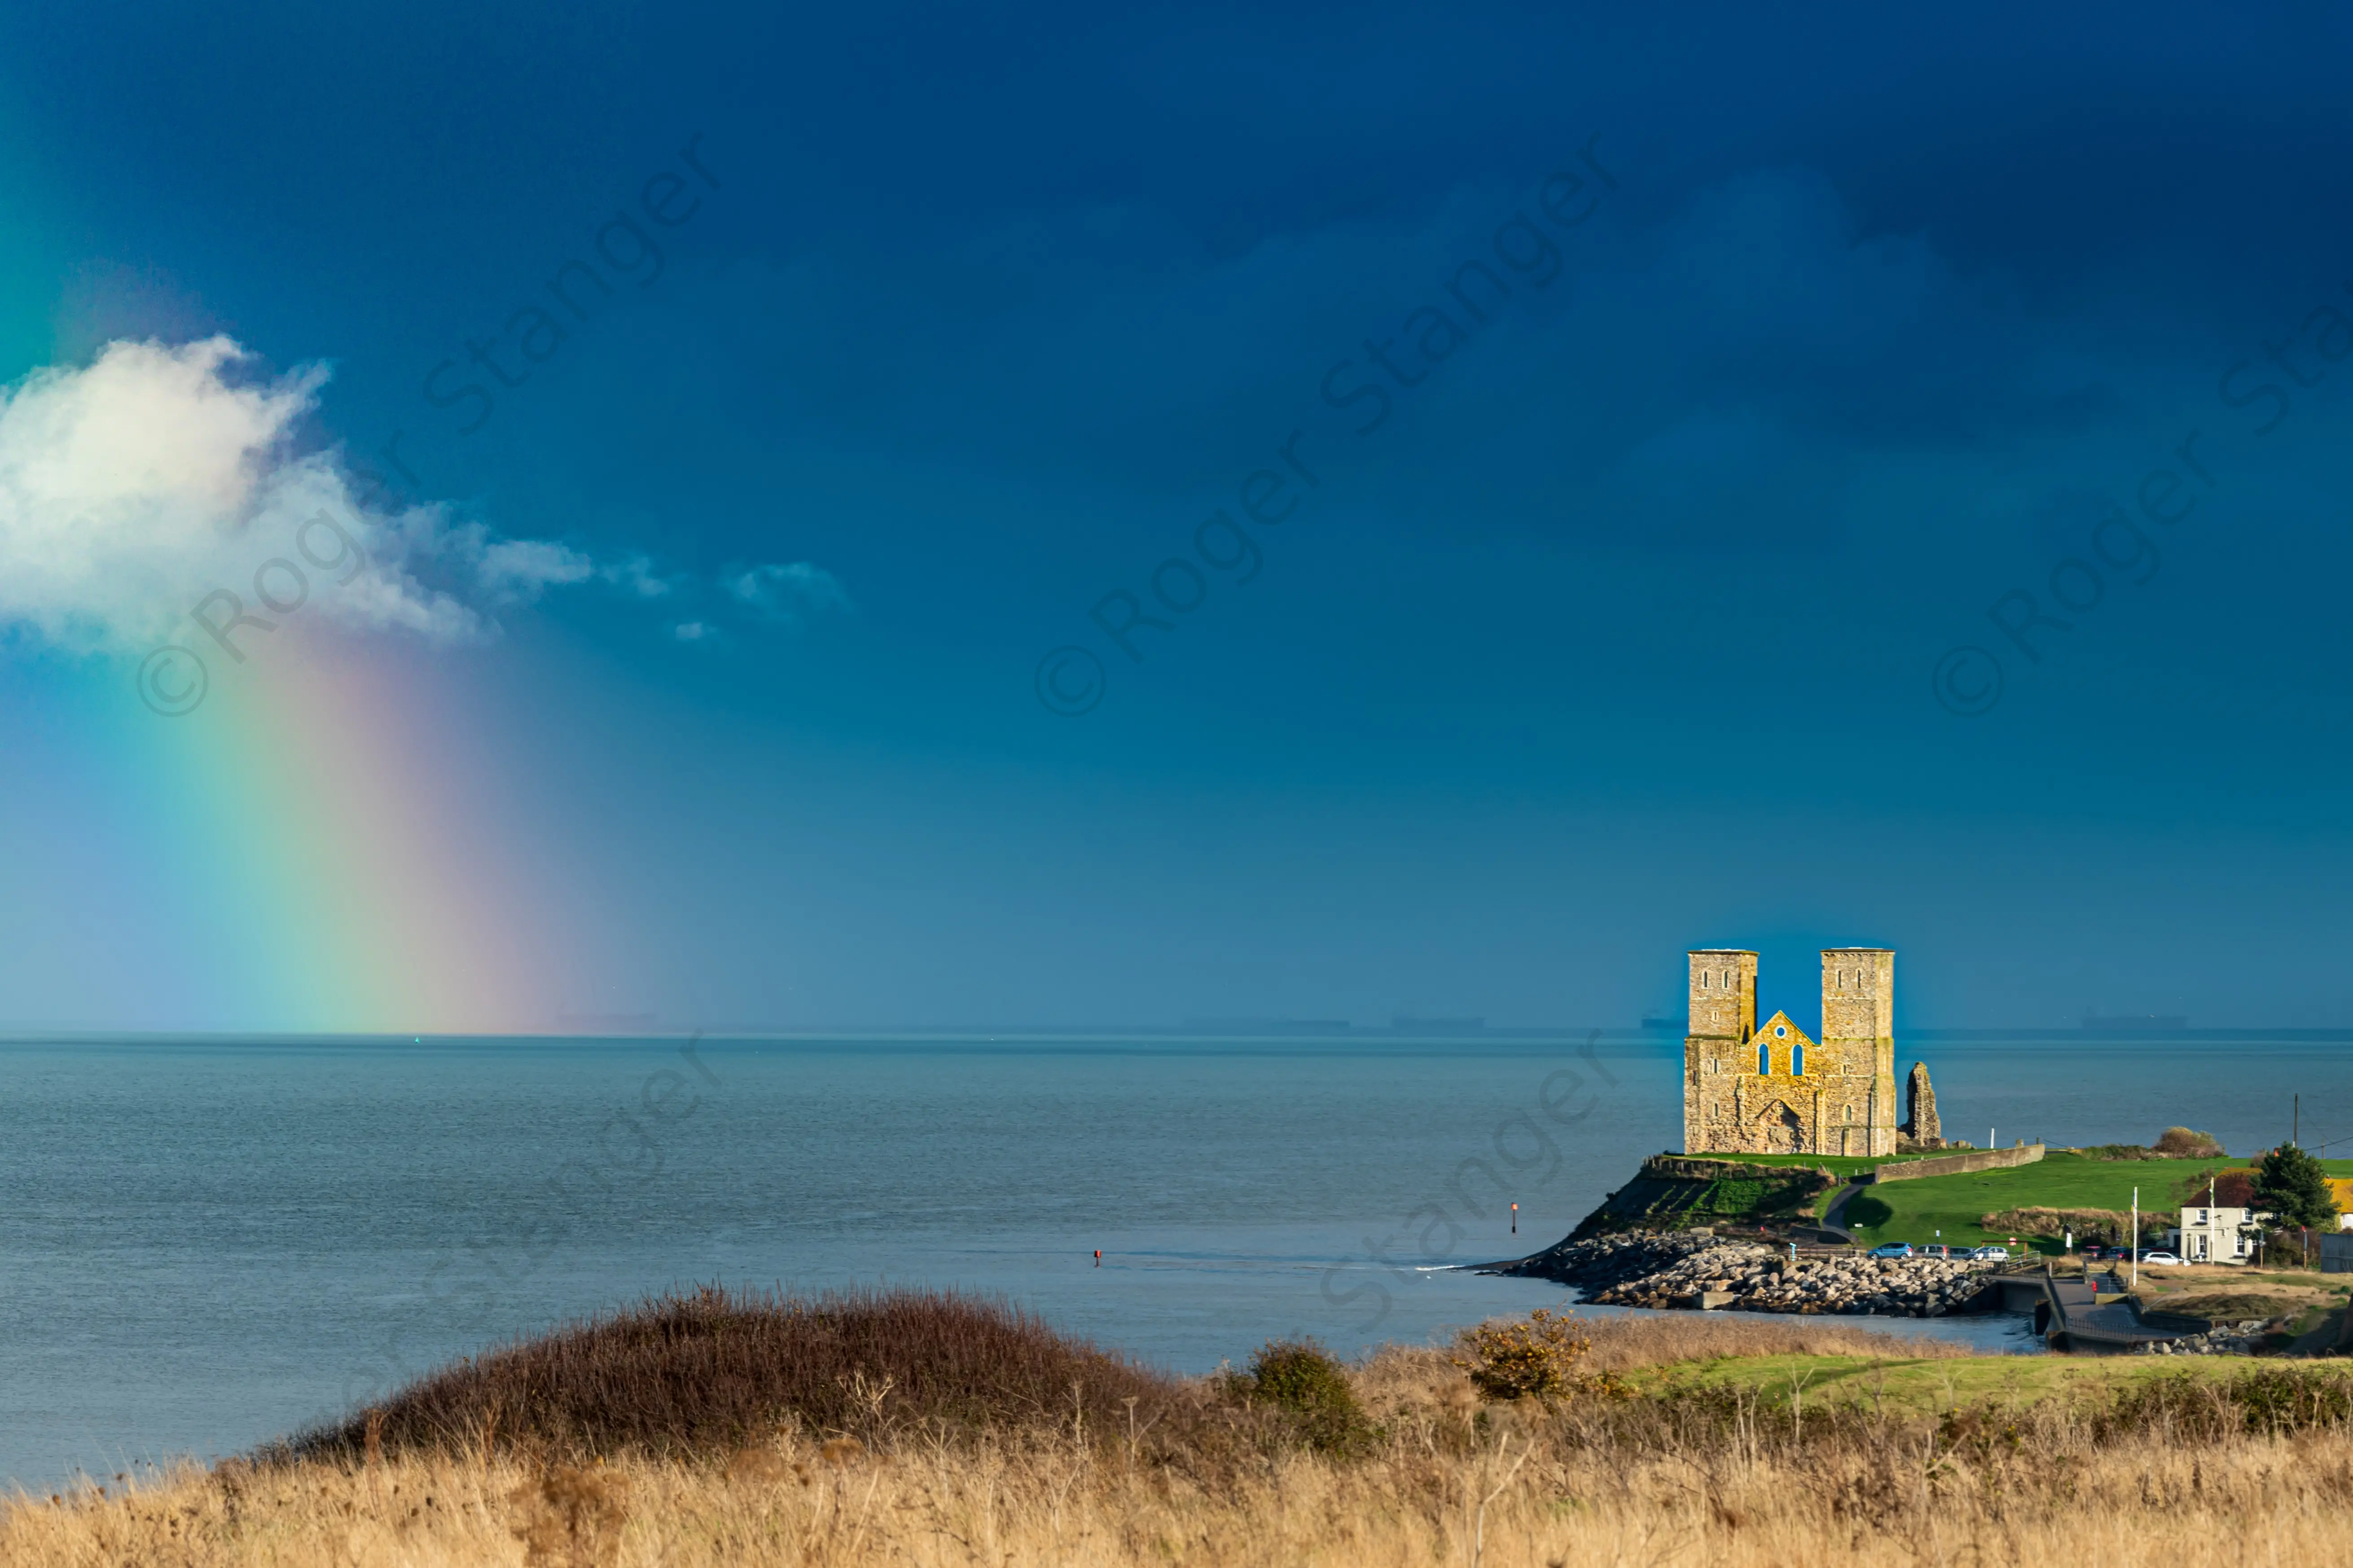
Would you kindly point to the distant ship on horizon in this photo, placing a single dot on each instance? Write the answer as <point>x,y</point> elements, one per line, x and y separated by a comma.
<point>1406,1024</point>
<point>2139,1023</point>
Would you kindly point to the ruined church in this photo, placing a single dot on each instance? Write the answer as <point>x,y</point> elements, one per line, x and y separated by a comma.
<point>1767,1089</point>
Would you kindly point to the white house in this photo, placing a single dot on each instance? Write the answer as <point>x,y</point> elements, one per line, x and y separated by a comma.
<point>2216,1234</point>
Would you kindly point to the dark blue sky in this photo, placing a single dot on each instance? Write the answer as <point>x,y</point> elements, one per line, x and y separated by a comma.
<point>1638,622</point>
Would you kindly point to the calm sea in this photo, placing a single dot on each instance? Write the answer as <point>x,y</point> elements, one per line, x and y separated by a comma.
<point>207,1243</point>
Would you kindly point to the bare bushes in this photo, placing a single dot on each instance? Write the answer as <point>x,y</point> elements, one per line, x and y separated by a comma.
<point>2173,1143</point>
<point>2180,1143</point>
<point>712,1371</point>
<point>2275,1401</point>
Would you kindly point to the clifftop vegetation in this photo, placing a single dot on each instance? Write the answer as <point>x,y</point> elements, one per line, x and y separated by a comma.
<point>1685,1439</point>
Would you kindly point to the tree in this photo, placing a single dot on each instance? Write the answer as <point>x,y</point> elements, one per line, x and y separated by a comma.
<point>2292,1184</point>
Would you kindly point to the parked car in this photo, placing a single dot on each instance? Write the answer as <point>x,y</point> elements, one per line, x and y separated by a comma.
<point>1938,1250</point>
<point>2093,1249</point>
<point>2161,1259</point>
<point>1990,1254</point>
<point>1892,1249</point>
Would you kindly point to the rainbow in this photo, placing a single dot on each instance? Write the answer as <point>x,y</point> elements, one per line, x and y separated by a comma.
<point>334,843</point>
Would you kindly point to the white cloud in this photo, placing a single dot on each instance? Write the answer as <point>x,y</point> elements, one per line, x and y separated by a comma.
<point>523,569</point>
<point>786,592</point>
<point>694,631</point>
<point>637,574</point>
<point>133,487</point>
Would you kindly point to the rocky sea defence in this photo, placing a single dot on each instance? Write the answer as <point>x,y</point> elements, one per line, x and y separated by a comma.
<point>1696,1270</point>
<point>2223,1339</point>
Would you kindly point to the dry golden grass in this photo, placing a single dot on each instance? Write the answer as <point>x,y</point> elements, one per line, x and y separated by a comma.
<point>1521,1489</point>
<point>1710,1477</point>
<point>1629,1344</point>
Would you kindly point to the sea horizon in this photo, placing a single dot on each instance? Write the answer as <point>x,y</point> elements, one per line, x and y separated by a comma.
<point>219,1240</point>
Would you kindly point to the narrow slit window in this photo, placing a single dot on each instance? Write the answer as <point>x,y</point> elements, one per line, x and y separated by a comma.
<point>1764,1060</point>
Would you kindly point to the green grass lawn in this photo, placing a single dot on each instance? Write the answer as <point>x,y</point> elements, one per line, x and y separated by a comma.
<point>1837,1164</point>
<point>1917,1211</point>
<point>1931,1384</point>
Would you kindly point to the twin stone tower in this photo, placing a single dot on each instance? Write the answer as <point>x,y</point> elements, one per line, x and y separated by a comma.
<point>1769,1089</point>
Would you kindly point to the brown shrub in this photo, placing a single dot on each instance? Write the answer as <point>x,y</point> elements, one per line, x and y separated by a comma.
<point>1536,1359</point>
<point>715,1372</point>
<point>2180,1143</point>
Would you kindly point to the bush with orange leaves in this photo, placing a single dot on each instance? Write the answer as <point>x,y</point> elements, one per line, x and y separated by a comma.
<point>1534,1360</point>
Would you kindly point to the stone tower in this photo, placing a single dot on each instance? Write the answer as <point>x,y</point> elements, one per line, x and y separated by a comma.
<point>1859,1045</point>
<point>1767,1087</point>
<point>1723,1022</point>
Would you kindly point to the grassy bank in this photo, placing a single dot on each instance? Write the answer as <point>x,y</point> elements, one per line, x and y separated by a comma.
<point>1955,1205</point>
<point>1836,1164</point>
<point>648,1439</point>
<point>1951,1209</point>
<point>1917,1211</point>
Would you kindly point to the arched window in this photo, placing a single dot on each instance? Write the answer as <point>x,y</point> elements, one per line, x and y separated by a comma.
<point>1797,1061</point>
<point>1764,1060</point>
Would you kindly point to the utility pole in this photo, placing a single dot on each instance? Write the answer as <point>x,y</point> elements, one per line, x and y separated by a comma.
<point>2135,1241</point>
